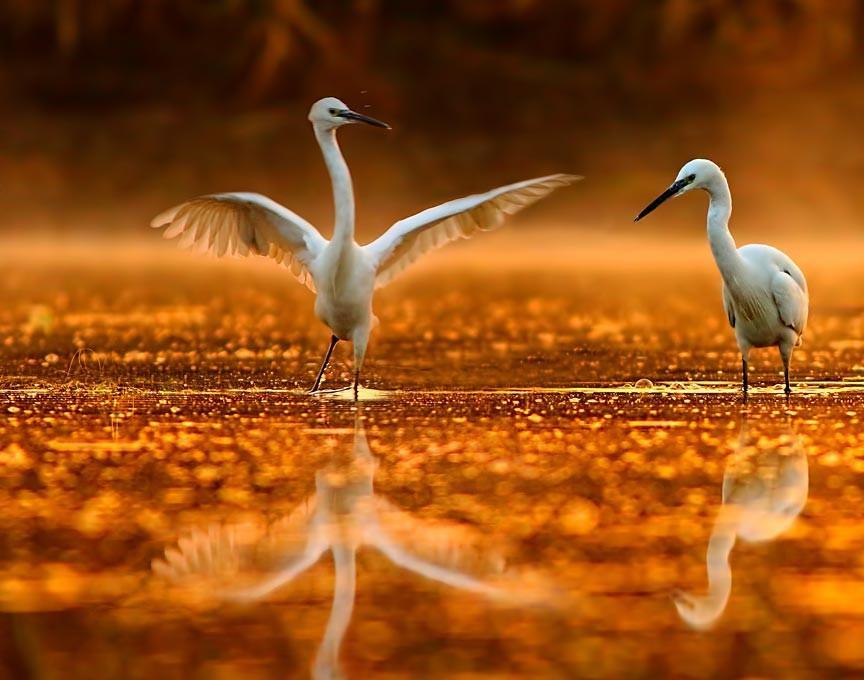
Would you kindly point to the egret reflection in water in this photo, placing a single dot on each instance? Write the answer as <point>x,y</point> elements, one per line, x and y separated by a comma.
<point>248,561</point>
<point>765,488</point>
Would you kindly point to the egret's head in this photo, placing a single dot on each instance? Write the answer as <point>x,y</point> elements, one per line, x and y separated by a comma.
<point>697,174</point>
<point>330,113</point>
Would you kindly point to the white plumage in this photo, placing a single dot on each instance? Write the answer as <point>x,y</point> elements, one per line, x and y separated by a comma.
<point>764,292</point>
<point>343,273</point>
<point>242,223</point>
<point>408,239</point>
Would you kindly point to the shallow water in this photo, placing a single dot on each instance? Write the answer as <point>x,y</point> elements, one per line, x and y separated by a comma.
<point>504,501</point>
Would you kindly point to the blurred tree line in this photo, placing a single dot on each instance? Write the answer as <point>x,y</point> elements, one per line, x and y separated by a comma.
<point>255,51</point>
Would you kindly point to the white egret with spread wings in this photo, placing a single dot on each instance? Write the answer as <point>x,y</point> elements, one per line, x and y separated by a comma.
<point>342,273</point>
<point>764,292</point>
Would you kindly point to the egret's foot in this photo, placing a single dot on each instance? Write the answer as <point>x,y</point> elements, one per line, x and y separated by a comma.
<point>335,390</point>
<point>321,390</point>
<point>348,394</point>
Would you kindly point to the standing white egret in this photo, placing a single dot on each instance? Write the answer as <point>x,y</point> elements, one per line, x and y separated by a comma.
<point>764,291</point>
<point>343,273</point>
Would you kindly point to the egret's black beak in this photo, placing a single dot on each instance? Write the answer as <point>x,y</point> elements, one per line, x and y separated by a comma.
<point>665,196</point>
<point>347,114</point>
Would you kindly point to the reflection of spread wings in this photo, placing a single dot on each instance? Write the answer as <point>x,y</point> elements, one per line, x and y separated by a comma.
<point>251,560</point>
<point>449,552</point>
<point>224,558</point>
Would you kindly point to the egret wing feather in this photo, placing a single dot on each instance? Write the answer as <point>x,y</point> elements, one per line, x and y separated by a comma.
<point>727,305</point>
<point>408,239</point>
<point>241,224</point>
<point>791,300</point>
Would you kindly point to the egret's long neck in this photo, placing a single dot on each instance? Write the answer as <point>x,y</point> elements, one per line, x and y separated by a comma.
<point>343,192</point>
<point>722,244</point>
<point>704,610</point>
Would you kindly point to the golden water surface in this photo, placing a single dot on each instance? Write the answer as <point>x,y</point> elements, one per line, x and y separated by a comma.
<point>550,473</point>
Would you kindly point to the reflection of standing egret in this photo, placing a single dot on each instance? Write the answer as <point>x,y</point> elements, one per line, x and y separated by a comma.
<point>764,291</point>
<point>764,491</point>
<point>246,563</point>
<point>343,273</point>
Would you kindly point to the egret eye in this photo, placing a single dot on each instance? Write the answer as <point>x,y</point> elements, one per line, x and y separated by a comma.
<point>333,112</point>
<point>690,178</point>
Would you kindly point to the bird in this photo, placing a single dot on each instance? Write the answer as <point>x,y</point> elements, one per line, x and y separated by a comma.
<point>248,561</point>
<point>343,274</point>
<point>764,292</point>
<point>765,488</point>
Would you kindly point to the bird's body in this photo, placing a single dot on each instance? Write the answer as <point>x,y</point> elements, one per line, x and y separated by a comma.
<point>753,300</point>
<point>343,274</point>
<point>347,282</point>
<point>765,294</point>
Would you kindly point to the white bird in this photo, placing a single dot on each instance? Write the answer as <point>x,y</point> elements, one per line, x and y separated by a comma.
<point>764,492</point>
<point>764,291</point>
<point>343,273</point>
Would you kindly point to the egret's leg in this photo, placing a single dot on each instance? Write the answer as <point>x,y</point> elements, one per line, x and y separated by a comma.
<point>344,592</point>
<point>787,357</point>
<point>361,339</point>
<point>744,375</point>
<point>333,341</point>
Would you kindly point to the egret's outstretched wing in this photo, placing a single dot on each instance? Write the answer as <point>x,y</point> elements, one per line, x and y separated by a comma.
<point>242,224</point>
<point>410,238</point>
<point>791,300</point>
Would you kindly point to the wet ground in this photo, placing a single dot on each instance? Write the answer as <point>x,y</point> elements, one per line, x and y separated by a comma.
<point>550,474</point>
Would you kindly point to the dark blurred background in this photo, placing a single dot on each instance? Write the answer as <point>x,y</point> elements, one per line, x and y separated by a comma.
<point>113,110</point>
